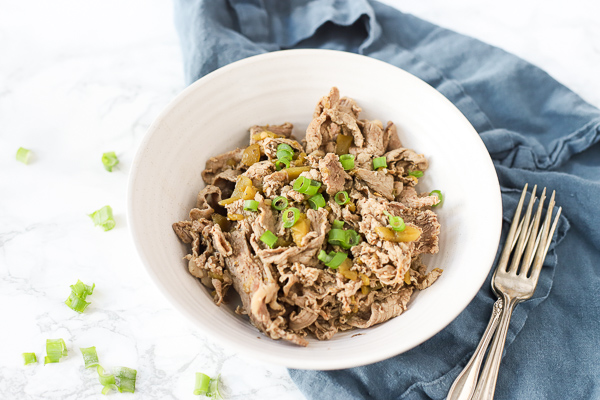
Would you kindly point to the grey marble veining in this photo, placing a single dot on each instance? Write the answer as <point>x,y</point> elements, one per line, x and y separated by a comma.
<point>81,78</point>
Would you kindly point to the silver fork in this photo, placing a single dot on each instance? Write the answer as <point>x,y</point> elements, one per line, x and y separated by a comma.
<point>517,283</point>
<point>512,286</point>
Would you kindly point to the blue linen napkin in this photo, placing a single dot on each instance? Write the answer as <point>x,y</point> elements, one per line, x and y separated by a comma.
<point>536,131</point>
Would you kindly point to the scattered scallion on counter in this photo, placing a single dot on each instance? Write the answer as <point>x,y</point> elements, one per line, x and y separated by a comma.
<point>29,358</point>
<point>126,379</point>
<point>108,381</point>
<point>268,238</point>
<point>439,195</point>
<point>103,218</point>
<point>23,155</point>
<point>79,293</point>
<point>109,160</point>
<point>55,350</point>
<point>202,382</point>
<point>90,357</point>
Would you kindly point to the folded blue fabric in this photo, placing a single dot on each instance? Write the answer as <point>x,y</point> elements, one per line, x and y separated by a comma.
<point>536,131</point>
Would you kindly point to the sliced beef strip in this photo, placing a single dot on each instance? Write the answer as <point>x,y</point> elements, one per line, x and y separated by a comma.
<point>206,202</point>
<point>383,310</point>
<point>256,294</point>
<point>411,199</point>
<point>379,181</point>
<point>404,160</point>
<point>270,145</point>
<point>373,140</point>
<point>426,221</point>
<point>391,139</point>
<point>273,183</point>
<point>284,130</point>
<point>333,174</point>
<point>215,165</point>
<point>183,231</point>
<point>258,171</point>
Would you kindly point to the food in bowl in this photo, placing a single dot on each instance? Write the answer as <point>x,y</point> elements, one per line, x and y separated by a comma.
<point>319,236</point>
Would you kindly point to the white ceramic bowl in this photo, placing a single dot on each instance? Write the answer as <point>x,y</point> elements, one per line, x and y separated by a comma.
<point>212,116</point>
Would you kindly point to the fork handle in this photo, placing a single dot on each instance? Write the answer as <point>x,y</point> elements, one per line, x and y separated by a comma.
<point>464,385</point>
<point>487,383</point>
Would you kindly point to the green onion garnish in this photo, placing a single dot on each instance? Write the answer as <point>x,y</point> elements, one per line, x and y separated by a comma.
<point>416,174</point>
<point>79,293</point>
<point>397,223</point>
<point>336,237</point>
<point>306,186</point>
<point>282,163</point>
<point>126,379</point>
<point>333,260</point>
<point>341,197</point>
<point>379,162</point>
<point>279,203</point>
<point>347,161</point>
<point>439,195</point>
<point>202,382</point>
<point>29,358</point>
<point>338,224</point>
<point>108,381</point>
<point>251,205</point>
<point>352,239</point>
<point>269,238</point>
<point>104,218</point>
<point>109,160</point>
<point>55,349</point>
<point>90,357</point>
<point>281,154</point>
<point>23,155</point>
<point>317,201</point>
<point>290,217</point>
<point>285,147</point>
<point>213,389</point>
<point>337,259</point>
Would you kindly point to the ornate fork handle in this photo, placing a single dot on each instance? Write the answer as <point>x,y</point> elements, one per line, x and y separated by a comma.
<point>489,376</point>
<point>464,385</point>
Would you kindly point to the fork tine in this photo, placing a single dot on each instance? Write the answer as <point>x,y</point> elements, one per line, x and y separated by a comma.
<point>551,234</point>
<point>541,251</point>
<point>516,259</point>
<point>512,245</point>
<point>511,233</point>
<point>533,243</point>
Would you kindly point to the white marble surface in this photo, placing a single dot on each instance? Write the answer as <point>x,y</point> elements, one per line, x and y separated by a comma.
<point>78,78</point>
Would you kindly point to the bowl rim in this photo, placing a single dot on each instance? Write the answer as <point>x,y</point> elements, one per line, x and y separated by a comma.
<point>366,357</point>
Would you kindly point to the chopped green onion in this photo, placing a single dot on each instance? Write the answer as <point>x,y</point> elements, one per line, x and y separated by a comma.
<point>281,154</point>
<point>107,380</point>
<point>397,223</point>
<point>213,389</point>
<point>347,161</point>
<point>338,224</point>
<point>279,203</point>
<point>282,163</point>
<point>23,155</point>
<point>301,184</point>
<point>416,174</point>
<point>379,162</point>
<point>55,349</point>
<point>324,257</point>
<point>269,238</point>
<point>313,188</point>
<point>285,147</point>
<point>341,197</point>
<point>439,195</point>
<point>29,358</point>
<point>352,239</point>
<point>90,357</point>
<point>337,259</point>
<point>104,218</point>
<point>336,237</point>
<point>251,205</point>
<point>82,290</point>
<point>202,382</point>
<point>317,201</point>
<point>126,379</point>
<point>290,217</point>
<point>109,160</point>
<point>79,293</point>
